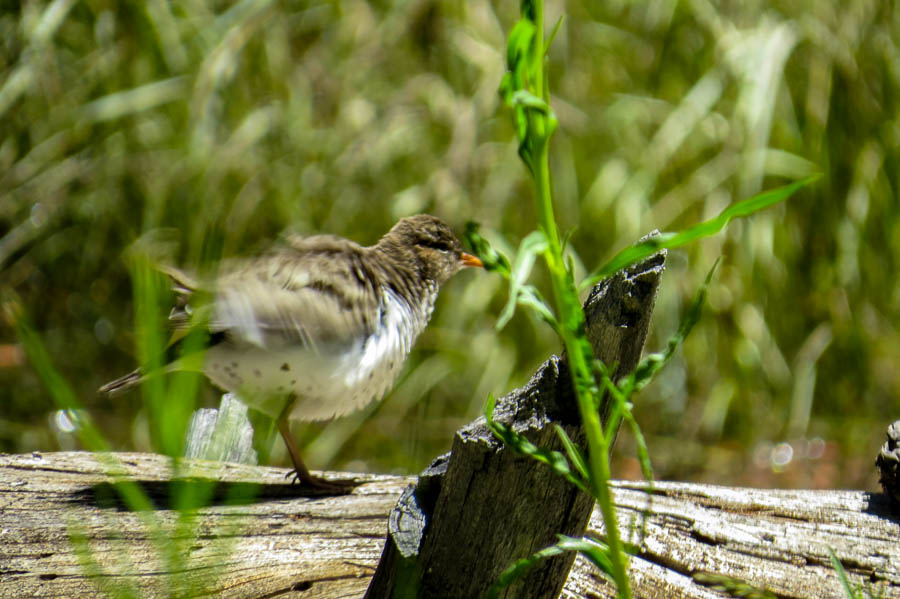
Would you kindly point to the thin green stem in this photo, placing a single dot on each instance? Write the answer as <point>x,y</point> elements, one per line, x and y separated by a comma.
<point>538,56</point>
<point>526,91</point>
<point>598,449</point>
<point>546,219</point>
<point>538,124</point>
<point>572,323</point>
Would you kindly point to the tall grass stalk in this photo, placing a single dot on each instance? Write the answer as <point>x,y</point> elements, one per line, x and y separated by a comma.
<point>169,408</point>
<point>524,90</point>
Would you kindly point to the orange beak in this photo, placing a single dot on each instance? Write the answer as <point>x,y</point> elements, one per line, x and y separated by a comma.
<point>470,260</point>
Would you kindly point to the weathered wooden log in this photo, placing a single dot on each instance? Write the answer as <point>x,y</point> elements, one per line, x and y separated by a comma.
<point>485,506</point>
<point>281,543</point>
<point>64,530</point>
<point>764,539</point>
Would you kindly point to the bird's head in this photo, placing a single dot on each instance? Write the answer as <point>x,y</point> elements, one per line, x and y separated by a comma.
<point>431,244</point>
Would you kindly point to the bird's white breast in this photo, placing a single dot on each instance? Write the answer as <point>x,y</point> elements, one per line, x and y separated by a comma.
<point>326,383</point>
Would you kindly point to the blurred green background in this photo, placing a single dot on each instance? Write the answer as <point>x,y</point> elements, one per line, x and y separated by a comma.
<point>221,125</point>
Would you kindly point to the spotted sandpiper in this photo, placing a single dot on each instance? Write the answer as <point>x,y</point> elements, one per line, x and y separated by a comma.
<point>319,328</point>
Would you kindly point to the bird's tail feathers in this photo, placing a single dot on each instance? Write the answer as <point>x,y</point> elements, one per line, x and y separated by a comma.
<point>122,384</point>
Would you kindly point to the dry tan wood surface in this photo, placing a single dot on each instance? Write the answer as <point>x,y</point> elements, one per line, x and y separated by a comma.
<point>282,542</point>
<point>775,540</point>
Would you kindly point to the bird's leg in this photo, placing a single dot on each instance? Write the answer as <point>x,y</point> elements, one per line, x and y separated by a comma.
<point>301,473</point>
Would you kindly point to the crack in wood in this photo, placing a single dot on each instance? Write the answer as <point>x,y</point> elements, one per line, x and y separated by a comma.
<point>704,538</point>
<point>34,540</point>
<point>299,586</point>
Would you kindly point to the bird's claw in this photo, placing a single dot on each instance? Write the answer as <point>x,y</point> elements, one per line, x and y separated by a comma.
<point>340,487</point>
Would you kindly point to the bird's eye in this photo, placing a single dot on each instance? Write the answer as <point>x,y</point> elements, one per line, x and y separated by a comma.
<point>437,244</point>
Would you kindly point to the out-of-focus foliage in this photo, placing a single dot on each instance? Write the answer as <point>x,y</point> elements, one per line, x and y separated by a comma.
<point>206,129</point>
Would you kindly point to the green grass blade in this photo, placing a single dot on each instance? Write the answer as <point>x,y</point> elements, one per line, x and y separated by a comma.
<point>518,443</point>
<point>734,587</point>
<point>574,452</point>
<point>596,552</point>
<point>638,252</point>
<point>642,450</point>
<point>534,244</point>
<point>529,296</point>
<point>553,33</point>
<point>842,576</point>
<point>39,358</point>
<point>520,568</point>
<point>653,363</point>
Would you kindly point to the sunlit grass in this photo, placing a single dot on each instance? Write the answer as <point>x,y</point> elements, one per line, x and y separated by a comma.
<point>230,122</point>
<point>169,405</point>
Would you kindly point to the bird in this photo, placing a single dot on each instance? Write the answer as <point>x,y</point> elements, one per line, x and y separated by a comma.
<point>314,329</point>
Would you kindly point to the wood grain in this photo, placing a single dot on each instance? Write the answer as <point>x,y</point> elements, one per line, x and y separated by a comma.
<point>283,543</point>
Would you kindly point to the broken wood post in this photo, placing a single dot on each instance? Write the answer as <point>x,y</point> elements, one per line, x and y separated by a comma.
<point>483,506</point>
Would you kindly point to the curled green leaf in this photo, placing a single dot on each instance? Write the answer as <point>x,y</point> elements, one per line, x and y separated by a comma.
<point>492,259</point>
<point>519,44</point>
<point>526,99</point>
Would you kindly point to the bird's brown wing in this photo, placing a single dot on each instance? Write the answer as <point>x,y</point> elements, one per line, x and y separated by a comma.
<point>319,292</point>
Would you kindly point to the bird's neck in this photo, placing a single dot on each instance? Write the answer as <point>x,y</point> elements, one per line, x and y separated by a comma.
<point>403,271</point>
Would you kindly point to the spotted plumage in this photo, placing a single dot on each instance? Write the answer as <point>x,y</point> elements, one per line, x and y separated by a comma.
<point>320,327</point>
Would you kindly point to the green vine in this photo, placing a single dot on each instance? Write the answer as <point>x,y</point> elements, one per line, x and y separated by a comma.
<point>525,92</point>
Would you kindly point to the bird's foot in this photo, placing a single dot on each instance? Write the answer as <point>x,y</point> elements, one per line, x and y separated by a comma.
<point>336,487</point>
